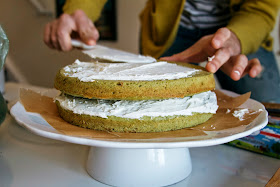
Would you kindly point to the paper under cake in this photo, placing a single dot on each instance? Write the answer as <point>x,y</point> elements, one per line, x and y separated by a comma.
<point>135,97</point>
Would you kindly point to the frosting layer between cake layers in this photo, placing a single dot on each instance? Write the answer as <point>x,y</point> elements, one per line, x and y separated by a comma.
<point>205,102</point>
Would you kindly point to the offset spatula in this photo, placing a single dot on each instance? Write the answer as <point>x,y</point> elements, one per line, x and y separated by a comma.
<point>109,54</point>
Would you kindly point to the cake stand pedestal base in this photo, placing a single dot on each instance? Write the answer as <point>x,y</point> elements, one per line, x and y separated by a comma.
<point>139,167</point>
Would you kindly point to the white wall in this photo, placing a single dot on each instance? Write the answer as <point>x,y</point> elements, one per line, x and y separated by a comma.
<point>37,64</point>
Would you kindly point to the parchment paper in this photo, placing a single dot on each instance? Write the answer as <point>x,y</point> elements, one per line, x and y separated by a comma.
<point>221,121</point>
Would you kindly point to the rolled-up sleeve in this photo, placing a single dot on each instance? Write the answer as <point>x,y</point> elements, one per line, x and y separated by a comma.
<point>92,8</point>
<point>253,22</point>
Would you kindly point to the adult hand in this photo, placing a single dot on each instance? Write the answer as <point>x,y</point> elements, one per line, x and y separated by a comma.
<point>58,33</point>
<point>223,48</point>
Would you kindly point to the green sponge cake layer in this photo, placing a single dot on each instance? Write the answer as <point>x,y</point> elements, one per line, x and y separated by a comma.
<point>147,124</point>
<point>160,80</point>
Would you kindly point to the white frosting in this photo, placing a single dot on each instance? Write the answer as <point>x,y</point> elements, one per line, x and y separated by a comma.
<point>205,102</point>
<point>115,55</point>
<point>210,58</point>
<point>228,111</point>
<point>90,71</point>
<point>240,113</point>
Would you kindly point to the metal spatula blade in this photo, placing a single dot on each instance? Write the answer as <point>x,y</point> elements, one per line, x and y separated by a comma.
<point>110,54</point>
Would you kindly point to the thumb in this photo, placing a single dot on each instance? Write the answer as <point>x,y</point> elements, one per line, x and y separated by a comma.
<point>85,28</point>
<point>89,34</point>
<point>220,37</point>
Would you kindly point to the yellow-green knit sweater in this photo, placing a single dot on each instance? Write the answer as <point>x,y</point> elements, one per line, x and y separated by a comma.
<point>252,21</point>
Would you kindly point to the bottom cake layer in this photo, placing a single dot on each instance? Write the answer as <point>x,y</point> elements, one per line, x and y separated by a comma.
<point>145,124</point>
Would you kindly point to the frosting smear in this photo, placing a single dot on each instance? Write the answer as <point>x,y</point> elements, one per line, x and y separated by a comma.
<point>91,71</point>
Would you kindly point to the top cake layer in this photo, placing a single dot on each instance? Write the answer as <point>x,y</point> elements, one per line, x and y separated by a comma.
<point>133,81</point>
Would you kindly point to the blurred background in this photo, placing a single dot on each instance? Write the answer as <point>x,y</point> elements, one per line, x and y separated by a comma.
<point>30,61</point>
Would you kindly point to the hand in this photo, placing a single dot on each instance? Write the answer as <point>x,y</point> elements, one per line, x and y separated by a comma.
<point>58,33</point>
<point>225,48</point>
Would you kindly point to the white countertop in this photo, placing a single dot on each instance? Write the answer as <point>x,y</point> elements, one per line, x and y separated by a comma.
<point>30,160</point>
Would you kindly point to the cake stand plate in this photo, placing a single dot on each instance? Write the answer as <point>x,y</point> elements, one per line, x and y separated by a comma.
<point>143,162</point>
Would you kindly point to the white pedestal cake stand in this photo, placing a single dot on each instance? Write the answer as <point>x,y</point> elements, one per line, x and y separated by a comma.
<point>148,162</point>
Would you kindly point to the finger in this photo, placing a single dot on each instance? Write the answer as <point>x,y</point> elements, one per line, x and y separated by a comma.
<point>191,54</point>
<point>179,57</point>
<point>240,63</point>
<point>254,67</point>
<point>54,40</point>
<point>174,58</point>
<point>167,58</point>
<point>86,29</point>
<point>221,57</point>
<point>88,33</point>
<point>220,37</point>
<point>66,26</point>
<point>47,34</point>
